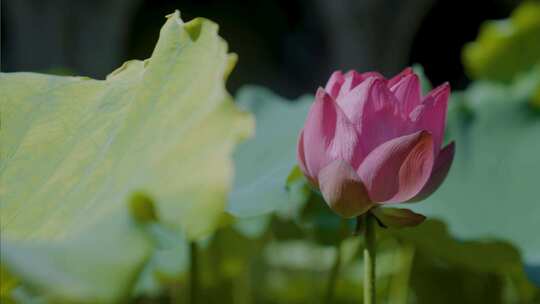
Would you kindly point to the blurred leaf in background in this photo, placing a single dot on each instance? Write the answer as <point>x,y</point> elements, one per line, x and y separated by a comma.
<point>262,166</point>
<point>506,49</point>
<point>263,162</point>
<point>492,187</point>
<point>75,149</point>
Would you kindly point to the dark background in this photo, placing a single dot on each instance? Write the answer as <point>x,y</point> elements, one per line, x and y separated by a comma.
<point>289,46</point>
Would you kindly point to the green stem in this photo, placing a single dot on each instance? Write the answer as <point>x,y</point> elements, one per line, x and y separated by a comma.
<point>193,274</point>
<point>334,272</point>
<point>369,260</point>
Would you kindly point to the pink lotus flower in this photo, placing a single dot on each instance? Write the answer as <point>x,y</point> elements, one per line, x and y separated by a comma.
<point>369,141</point>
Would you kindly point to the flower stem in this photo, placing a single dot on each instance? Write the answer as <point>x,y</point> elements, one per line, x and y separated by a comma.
<point>334,273</point>
<point>193,274</point>
<point>369,259</point>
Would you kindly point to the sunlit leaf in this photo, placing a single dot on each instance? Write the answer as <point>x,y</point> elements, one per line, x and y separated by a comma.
<point>75,149</point>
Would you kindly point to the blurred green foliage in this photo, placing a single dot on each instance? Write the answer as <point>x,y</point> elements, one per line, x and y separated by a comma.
<point>419,265</point>
<point>506,49</point>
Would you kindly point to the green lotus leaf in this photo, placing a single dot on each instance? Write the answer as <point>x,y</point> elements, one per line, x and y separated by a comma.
<point>74,150</point>
<point>263,162</point>
<point>492,188</point>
